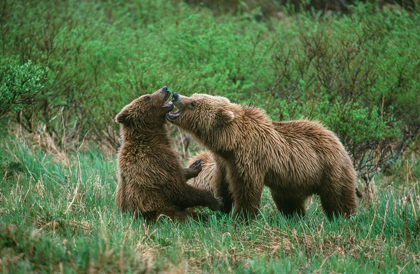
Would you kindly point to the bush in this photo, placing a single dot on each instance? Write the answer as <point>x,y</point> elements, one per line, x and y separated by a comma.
<point>274,8</point>
<point>19,84</point>
<point>357,73</point>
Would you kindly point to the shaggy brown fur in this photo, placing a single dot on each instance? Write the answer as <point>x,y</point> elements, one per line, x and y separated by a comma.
<point>151,179</point>
<point>294,159</point>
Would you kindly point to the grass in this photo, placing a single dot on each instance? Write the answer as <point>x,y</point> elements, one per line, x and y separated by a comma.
<point>57,214</point>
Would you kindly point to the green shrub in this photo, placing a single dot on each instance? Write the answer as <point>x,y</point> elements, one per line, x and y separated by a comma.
<point>359,76</point>
<point>357,73</point>
<point>19,84</point>
<point>273,8</point>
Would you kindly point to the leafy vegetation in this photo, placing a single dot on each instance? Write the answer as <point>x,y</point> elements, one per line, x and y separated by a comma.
<point>19,85</point>
<point>356,73</point>
<point>67,68</point>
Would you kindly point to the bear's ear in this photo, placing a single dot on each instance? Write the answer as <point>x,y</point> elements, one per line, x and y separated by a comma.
<point>227,116</point>
<point>122,117</point>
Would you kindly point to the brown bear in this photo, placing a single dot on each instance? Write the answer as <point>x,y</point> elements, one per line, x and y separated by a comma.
<point>151,179</point>
<point>295,159</point>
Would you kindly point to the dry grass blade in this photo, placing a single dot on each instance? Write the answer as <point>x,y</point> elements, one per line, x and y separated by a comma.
<point>319,270</point>
<point>75,195</point>
<point>414,210</point>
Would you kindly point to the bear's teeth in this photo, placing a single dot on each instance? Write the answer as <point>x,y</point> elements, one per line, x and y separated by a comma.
<point>173,115</point>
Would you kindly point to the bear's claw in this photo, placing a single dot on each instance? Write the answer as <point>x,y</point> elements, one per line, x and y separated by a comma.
<point>196,165</point>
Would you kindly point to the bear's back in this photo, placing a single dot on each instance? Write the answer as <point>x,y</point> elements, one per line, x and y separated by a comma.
<point>310,133</point>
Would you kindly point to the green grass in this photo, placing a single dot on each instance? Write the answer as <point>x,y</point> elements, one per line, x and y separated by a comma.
<point>58,215</point>
<point>67,68</point>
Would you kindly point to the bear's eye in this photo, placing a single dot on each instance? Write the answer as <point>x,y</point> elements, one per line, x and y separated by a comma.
<point>147,98</point>
<point>192,104</point>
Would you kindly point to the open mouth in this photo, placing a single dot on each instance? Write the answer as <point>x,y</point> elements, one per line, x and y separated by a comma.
<point>173,115</point>
<point>168,105</point>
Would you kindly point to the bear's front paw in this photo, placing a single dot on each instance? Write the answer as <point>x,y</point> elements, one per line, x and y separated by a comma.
<point>220,202</point>
<point>196,166</point>
<point>217,203</point>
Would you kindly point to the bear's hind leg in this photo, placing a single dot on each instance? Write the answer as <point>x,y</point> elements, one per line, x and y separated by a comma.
<point>289,206</point>
<point>188,213</point>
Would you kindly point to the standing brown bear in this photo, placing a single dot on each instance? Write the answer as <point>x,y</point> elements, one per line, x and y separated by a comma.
<point>151,179</point>
<point>294,159</point>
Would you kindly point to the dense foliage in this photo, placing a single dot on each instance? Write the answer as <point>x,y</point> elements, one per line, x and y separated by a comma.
<point>19,85</point>
<point>356,73</point>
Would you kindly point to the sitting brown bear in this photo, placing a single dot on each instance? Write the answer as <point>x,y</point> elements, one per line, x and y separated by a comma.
<point>294,159</point>
<point>151,179</point>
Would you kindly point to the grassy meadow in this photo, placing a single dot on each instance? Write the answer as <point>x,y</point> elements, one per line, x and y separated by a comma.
<point>58,214</point>
<point>67,67</point>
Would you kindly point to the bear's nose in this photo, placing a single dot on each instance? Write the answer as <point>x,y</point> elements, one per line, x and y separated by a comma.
<point>175,97</point>
<point>165,88</point>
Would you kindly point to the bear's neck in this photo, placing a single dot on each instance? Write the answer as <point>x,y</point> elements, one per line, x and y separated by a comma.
<point>146,137</point>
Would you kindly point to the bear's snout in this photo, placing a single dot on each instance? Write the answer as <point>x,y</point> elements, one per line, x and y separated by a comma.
<point>175,97</point>
<point>165,88</point>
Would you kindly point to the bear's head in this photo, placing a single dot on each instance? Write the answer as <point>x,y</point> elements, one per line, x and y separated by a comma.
<point>147,111</point>
<point>205,116</point>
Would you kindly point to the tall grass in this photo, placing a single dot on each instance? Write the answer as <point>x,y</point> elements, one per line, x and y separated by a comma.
<point>59,215</point>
